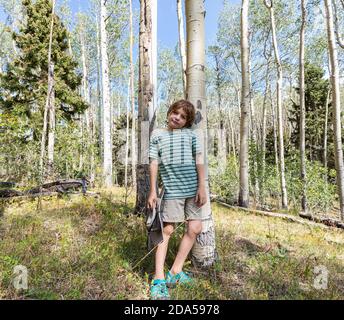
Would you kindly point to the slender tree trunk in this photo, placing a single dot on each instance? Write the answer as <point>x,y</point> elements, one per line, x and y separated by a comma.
<point>107,146</point>
<point>146,100</point>
<point>234,145</point>
<point>52,120</point>
<point>48,103</point>
<point>85,88</point>
<point>302,107</point>
<point>132,99</point>
<point>270,6</point>
<point>325,131</point>
<point>203,252</point>
<point>127,143</point>
<point>221,137</point>
<point>274,130</point>
<point>182,50</point>
<point>263,139</point>
<point>99,92</point>
<point>245,107</point>
<point>338,152</point>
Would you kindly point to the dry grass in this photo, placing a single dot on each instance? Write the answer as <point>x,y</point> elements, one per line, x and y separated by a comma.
<point>85,248</point>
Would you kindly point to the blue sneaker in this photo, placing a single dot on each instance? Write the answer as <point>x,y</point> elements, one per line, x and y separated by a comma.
<point>158,290</point>
<point>179,278</point>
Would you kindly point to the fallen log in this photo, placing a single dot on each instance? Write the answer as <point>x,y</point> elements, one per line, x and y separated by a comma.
<point>315,220</point>
<point>325,220</point>
<point>7,184</point>
<point>48,194</point>
<point>283,216</point>
<point>9,193</point>
<point>60,186</point>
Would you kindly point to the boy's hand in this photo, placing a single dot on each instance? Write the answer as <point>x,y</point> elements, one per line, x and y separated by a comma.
<point>201,197</point>
<point>152,199</point>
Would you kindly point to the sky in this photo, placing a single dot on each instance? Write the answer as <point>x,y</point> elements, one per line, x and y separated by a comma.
<point>167,19</point>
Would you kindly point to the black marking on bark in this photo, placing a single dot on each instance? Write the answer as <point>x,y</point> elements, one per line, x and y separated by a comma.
<point>199,105</point>
<point>198,117</point>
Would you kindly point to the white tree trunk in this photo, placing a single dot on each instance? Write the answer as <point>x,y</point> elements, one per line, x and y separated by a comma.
<point>52,120</point>
<point>263,138</point>
<point>107,145</point>
<point>204,251</point>
<point>338,152</point>
<point>302,107</point>
<point>270,6</point>
<point>182,50</point>
<point>49,109</point>
<point>127,140</point>
<point>245,107</point>
<point>132,99</point>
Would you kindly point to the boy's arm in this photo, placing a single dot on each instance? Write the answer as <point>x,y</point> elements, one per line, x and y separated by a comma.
<point>153,175</point>
<point>200,171</point>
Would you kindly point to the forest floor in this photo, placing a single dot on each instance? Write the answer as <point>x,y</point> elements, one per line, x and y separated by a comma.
<point>86,248</point>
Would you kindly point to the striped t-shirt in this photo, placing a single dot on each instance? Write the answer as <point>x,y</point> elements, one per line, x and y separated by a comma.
<point>176,151</point>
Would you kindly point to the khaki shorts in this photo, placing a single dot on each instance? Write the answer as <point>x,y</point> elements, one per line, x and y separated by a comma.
<point>179,210</point>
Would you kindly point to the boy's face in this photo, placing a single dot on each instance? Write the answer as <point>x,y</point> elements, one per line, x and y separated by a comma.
<point>177,119</point>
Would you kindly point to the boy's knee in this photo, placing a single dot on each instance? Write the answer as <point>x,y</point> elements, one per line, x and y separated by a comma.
<point>168,229</point>
<point>195,227</point>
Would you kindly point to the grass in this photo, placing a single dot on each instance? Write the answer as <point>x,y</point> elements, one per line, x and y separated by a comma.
<point>85,248</point>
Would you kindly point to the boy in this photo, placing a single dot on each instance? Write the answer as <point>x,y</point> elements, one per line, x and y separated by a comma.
<point>176,152</point>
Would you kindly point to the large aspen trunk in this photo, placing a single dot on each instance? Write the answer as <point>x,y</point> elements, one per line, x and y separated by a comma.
<point>245,108</point>
<point>302,107</point>
<point>107,145</point>
<point>146,99</point>
<point>338,152</point>
<point>270,6</point>
<point>182,50</point>
<point>203,253</point>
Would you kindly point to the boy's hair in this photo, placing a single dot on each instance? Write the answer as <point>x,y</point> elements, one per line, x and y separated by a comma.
<point>187,107</point>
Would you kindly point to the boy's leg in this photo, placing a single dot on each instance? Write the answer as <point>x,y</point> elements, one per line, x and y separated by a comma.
<point>194,228</point>
<point>161,251</point>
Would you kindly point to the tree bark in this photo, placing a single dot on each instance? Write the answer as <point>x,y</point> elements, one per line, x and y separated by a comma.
<point>263,138</point>
<point>132,99</point>
<point>245,107</point>
<point>302,107</point>
<point>127,143</point>
<point>204,251</point>
<point>146,100</point>
<point>52,120</point>
<point>338,152</point>
<point>182,50</point>
<point>270,7</point>
<point>107,145</point>
<point>325,132</point>
<point>48,104</point>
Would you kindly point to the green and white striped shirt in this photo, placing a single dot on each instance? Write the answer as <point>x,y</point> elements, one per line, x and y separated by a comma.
<point>176,153</point>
